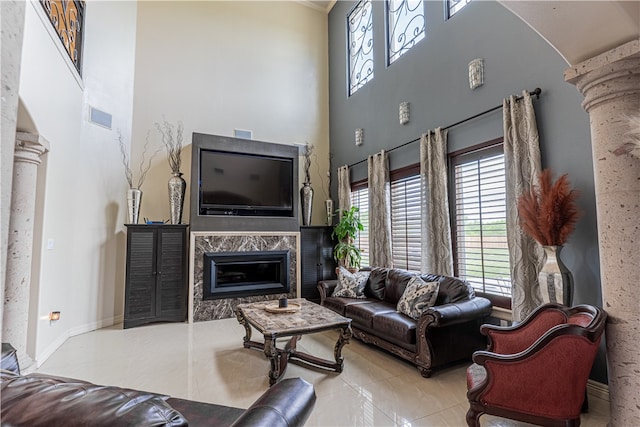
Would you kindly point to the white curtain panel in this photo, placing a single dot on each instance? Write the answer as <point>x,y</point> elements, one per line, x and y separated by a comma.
<point>379,211</point>
<point>522,163</point>
<point>436,227</point>
<point>344,189</point>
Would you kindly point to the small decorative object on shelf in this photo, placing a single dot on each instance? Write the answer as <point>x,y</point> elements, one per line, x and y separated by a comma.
<point>134,198</point>
<point>548,214</point>
<point>134,194</point>
<point>283,302</point>
<point>328,204</point>
<point>177,185</point>
<point>306,192</point>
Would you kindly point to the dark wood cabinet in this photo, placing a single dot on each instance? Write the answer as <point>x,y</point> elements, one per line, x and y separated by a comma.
<point>316,259</point>
<point>156,278</point>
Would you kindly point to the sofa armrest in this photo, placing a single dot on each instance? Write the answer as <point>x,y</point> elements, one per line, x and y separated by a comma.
<point>287,403</point>
<point>456,312</point>
<point>325,288</point>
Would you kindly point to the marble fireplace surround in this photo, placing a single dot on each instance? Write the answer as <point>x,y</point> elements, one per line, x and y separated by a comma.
<point>237,241</point>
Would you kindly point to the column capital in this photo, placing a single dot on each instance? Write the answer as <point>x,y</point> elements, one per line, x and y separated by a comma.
<point>29,147</point>
<point>612,75</point>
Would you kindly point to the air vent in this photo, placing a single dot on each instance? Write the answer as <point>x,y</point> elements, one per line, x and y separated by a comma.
<point>100,118</point>
<point>243,134</point>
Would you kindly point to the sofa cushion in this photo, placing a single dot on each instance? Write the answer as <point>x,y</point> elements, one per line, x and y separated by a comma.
<point>417,297</point>
<point>43,400</point>
<point>339,304</point>
<point>351,285</point>
<point>362,314</point>
<point>395,284</point>
<point>395,327</point>
<point>452,289</point>
<point>376,284</point>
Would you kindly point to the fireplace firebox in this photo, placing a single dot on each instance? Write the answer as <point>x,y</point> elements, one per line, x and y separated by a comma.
<point>243,274</point>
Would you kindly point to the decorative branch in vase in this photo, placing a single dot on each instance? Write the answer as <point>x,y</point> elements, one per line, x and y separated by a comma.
<point>548,214</point>
<point>177,185</point>
<point>306,192</point>
<point>134,194</point>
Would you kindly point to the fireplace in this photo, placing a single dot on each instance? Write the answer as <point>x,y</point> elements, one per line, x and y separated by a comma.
<point>243,274</point>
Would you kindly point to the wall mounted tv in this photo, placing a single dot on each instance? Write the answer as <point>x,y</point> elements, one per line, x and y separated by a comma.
<point>245,184</point>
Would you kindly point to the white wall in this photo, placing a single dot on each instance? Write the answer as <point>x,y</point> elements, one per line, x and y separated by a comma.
<point>81,194</point>
<point>216,66</point>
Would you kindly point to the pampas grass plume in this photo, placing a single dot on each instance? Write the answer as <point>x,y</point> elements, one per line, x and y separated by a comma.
<point>548,213</point>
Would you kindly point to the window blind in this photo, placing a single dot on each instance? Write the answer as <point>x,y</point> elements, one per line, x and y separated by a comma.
<point>360,199</point>
<point>405,223</point>
<point>481,253</point>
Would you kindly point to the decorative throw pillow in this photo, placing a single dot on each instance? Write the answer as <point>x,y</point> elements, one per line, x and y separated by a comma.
<point>351,285</point>
<point>417,297</point>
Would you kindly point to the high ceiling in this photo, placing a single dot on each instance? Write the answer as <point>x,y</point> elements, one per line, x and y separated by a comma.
<point>580,30</point>
<point>577,29</point>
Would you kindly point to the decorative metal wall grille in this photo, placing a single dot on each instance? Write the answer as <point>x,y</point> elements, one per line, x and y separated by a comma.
<point>454,6</point>
<point>360,26</point>
<point>405,27</point>
<point>67,18</point>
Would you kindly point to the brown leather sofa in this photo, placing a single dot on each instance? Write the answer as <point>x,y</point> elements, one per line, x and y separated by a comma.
<point>44,400</point>
<point>447,332</point>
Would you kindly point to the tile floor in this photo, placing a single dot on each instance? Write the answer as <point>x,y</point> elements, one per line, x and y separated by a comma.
<point>206,362</point>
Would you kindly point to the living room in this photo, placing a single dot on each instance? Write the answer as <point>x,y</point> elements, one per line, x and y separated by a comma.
<point>276,69</point>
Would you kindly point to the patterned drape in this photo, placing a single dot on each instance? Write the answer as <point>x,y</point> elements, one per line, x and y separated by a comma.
<point>379,211</point>
<point>344,189</point>
<point>522,162</point>
<point>436,249</point>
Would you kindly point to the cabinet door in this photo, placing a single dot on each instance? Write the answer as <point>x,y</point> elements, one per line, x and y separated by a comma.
<point>317,259</point>
<point>309,262</point>
<point>327,265</point>
<point>140,296</point>
<point>171,283</point>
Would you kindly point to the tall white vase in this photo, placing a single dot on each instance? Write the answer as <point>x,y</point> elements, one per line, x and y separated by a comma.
<point>134,199</point>
<point>555,279</point>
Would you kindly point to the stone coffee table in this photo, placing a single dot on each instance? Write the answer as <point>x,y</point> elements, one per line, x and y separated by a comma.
<point>311,318</point>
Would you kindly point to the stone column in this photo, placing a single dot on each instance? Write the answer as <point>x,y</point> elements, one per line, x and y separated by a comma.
<point>12,25</point>
<point>610,83</point>
<point>28,149</point>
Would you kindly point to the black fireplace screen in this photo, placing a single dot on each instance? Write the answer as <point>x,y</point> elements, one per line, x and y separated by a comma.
<point>243,274</point>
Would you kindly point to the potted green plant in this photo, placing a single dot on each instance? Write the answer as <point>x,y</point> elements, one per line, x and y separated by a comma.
<point>345,252</point>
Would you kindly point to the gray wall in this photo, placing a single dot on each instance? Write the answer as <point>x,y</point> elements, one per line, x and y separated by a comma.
<point>433,78</point>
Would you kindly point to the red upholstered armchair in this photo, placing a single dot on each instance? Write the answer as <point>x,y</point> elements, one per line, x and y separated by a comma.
<point>537,370</point>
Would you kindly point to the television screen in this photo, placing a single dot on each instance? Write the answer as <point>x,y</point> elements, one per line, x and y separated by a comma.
<point>245,184</point>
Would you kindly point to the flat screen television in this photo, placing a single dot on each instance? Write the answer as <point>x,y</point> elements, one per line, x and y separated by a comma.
<point>243,184</point>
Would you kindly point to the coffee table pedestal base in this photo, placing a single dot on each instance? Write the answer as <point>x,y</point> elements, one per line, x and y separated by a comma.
<point>279,358</point>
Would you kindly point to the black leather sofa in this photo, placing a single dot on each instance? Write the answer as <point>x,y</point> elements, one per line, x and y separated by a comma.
<point>447,332</point>
<point>44,400</point>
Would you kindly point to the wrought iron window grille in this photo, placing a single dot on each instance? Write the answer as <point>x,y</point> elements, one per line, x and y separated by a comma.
<point>454,6</point>
<point>360,45</point>
<point>406,26</point>
<point>67,18</point>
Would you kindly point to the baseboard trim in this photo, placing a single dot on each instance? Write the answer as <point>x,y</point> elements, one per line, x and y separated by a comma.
<point>88,327</point>
<point>599,390</point>
<point>98,324</point>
